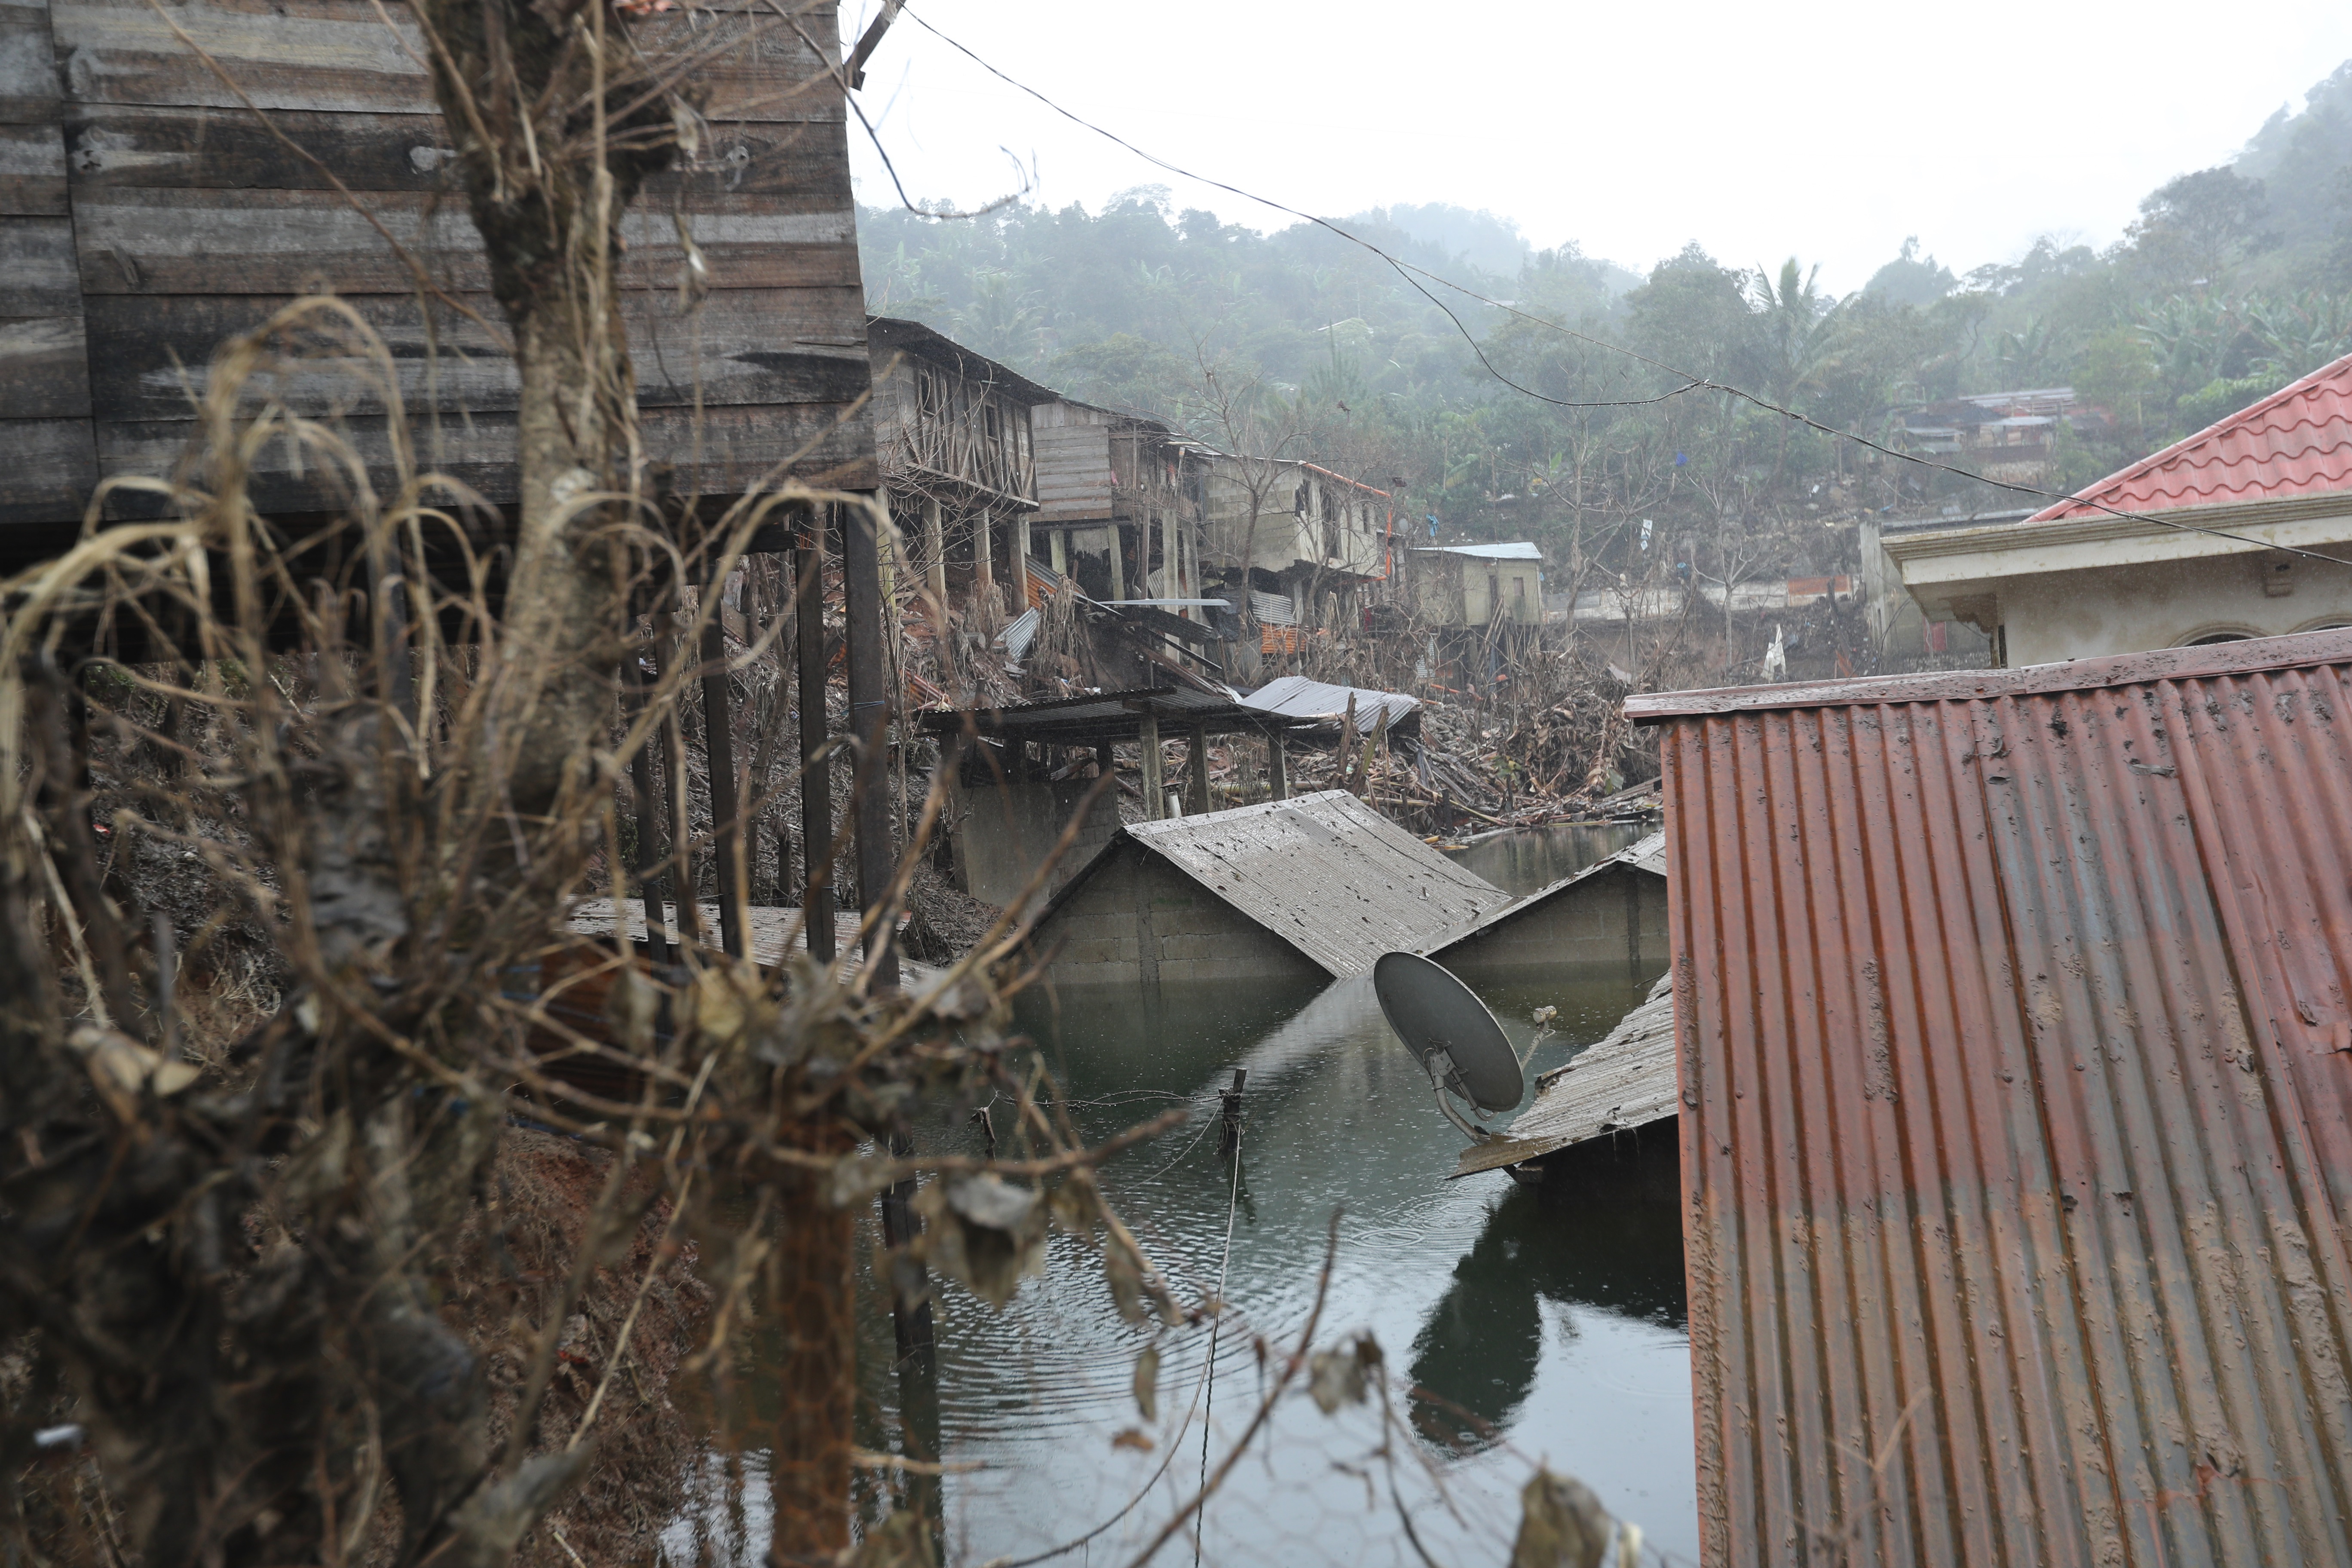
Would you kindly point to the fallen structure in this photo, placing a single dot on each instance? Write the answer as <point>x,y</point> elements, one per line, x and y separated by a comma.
<point>1318,886</point>
<point>1620,1084</point>
<point>1612,913</point>
<point>1326,707</point>
<point>2016,1109</point>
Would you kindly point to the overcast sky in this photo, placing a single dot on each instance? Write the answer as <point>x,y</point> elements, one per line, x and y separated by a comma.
<point>1830,130</point>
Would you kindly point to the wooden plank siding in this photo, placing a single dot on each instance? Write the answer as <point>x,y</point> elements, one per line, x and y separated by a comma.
<point>1074,478</point>
<point>147,215</point>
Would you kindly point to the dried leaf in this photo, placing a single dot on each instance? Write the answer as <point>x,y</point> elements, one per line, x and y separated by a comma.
<point>1131,1438</point>
<point>1124,1273</point>
<point>1335,1378</point>
<point>854,1181</point>
<point>1561,1524</point>
<point>986,1233</point>
<point>170,1077</point>
<point>635,1009</point>
<point>1146,1383</point>
<point>1076,1202</point>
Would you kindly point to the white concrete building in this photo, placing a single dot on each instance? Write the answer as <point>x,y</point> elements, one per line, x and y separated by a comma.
<point>2201,553</point>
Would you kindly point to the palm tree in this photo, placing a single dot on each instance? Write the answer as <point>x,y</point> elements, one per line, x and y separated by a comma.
<point>1801,330</point>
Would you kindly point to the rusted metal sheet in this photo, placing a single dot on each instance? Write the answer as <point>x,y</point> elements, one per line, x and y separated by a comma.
<point>2016,1084</point>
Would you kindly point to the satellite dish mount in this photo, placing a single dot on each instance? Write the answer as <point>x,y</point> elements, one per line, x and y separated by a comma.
<point>1442,1023</point>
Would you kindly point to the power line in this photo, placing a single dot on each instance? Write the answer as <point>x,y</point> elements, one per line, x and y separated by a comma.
<point>1407,271</point>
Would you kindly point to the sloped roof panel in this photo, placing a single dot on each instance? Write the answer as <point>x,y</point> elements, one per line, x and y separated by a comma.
<point>1297,697</point>
<point>2295,442</point>
<point>2014,1035</point>
<point>1622,1081</point>
<point>1324,872</point>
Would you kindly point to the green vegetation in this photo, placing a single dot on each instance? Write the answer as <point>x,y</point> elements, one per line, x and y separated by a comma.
<point>2233,281</point>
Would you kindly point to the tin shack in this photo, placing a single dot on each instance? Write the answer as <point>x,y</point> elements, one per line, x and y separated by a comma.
<point>2013,1013</point>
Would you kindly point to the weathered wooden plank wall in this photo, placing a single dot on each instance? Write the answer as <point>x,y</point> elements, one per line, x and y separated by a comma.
<point>147,214</point>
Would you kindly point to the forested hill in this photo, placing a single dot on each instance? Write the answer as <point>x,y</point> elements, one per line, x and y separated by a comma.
<point>2232,281</point>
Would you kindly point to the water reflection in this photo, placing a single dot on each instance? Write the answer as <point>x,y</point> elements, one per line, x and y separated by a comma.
<point>1560,1330</point>
<point>1479,1349</point>
<point>1527,858</point>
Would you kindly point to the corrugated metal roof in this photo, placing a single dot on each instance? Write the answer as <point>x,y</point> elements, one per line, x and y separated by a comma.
<point>1647,853</point>
<point>1620,1082</point>
<point>1296,696</point>
<point>2016,1082</point>
<point>1324,872</point>
<point>2295,442</point>
<point>893,333</point>
<point>1517,549</point>
<point>1105,716</point>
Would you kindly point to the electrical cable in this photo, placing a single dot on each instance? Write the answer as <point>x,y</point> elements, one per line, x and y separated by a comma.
<point>1208,1372</point>
<point>1217,1325</point>
<point>1691,383</point>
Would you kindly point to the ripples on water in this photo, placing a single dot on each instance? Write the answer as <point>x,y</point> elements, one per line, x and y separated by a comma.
<point>1560,1328</point>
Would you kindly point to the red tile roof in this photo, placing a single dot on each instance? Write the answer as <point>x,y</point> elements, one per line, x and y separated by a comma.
<point>2295,442</point>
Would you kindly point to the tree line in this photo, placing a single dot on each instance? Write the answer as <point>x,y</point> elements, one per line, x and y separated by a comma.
<point>2232,282</point>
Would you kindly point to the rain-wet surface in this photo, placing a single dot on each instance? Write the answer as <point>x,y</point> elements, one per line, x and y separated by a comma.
<point>1548,1331</point>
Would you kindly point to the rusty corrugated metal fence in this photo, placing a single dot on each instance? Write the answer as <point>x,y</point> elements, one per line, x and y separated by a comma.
<point>2015,1039</point>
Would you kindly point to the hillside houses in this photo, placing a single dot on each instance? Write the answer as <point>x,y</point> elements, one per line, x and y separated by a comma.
<point>1300,535</point>
<point>1007,491</point>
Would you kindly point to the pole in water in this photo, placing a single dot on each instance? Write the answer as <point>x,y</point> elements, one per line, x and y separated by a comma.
<point>910,1304</point>
<point>1229,1138</point>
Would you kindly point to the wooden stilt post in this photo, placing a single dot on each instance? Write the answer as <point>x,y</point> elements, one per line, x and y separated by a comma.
<point>869,733</point>
<point>816,772</point>
<point>718,744</point>
<point>935,553</point>
<point>816,1377</point>
<point>1019,575</point>
<point>1230,1100</point>
<point>1277,765</point>
<point>910,1305</point>
<point>1197,766</point>
<point>682,886</point>
<point>1155,795</point>
<point>650,854</point>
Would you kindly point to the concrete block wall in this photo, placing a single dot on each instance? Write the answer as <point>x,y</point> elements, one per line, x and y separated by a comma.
<point>999,833</point>
<point>1139,921</point>
<point>1614,920</point>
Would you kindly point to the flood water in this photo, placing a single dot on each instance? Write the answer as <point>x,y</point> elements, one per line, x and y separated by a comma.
<point>1559,1329</point>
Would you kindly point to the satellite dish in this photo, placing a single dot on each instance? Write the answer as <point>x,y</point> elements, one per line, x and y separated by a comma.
<point>1442,1023</point>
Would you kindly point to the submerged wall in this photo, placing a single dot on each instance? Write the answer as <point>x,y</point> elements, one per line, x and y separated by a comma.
<point>1613,918</point>
<point>1138,922</point>
<point>999,832</point>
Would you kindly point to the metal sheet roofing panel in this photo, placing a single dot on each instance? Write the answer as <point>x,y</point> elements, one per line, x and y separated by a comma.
<point>2295,442</point>
<point>1325,873</point>
<point>1624,1080</point>
<point>2014,1032</point>
<point>1297,697</point>
<point>1517,549</point>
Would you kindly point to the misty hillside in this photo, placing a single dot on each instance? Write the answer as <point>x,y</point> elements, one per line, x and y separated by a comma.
<point>2232,281</point>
